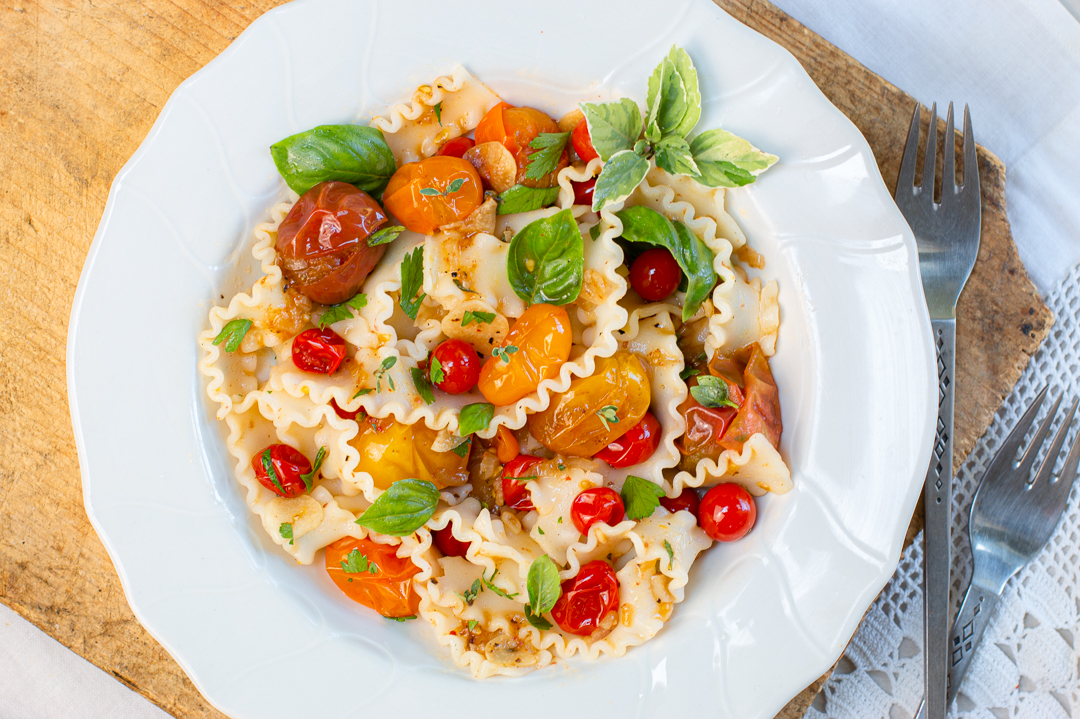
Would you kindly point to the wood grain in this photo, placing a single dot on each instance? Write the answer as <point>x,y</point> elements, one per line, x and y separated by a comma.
<point>81,83</point>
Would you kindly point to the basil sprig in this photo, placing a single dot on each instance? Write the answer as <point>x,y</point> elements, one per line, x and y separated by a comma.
<point>642,224</point>
<point>640,497</point>
<point>402,509</point>
<point>544,590</point>
<point>345,153</point>
<point>546,260</point>
<point>520,198</point>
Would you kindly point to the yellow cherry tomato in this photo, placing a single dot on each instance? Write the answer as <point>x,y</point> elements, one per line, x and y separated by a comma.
<point>390,450</point>
<point>533,350</point>
<point>595,410</point>
<point>430,193</point>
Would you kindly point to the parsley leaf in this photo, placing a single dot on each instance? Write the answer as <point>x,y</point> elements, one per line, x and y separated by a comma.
<point>232,334</point>
<point>670,554</point>
<point>550,146</point>
<point>712,392</point>
<point>437,375</point>
<point>268,467</point>
<point>310,476</point>
<point>608,415</point>
<point>402,509</point>
<point>381,372</point>
<point>285,530</point>
<point>423,387</point>
<point>478,317</point>
<point>343,311</point>
<point>524,199</point>
<point>357,563</point>
<point>385,235</point>
<point>504,353</point>
<point>475,418</point>
<point>412,282</point>
<point>462,450</point>
<point>437,107</point>
<point>544,590</point>
<point>640,497</point>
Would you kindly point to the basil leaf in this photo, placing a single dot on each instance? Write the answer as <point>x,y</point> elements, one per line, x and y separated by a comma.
<point>666,101</point>
<point>550,146</point>
<point>525,199</point>
<point>474,418</point>
<point>412,281</point>
<point>543,585</point>
<point>613,126</point>
<point>232,334</point>
<point>462,450</point>
<point>346,153</point>
<point>711,392</point>
<point>673,156</point>
<point>641,224</point>
<point>688,372</point>
<point>685,68</point>
<point>622,173</point>
<point>546,260</point>
<point>640,497</point>
<point>725,160</point>
<point>385,235</point>
<point>423,387</point>
<point>477,317</point>
<point>402,509</point>
<point>337,313</point>
<point>309,478</point>
<point>535,619</point>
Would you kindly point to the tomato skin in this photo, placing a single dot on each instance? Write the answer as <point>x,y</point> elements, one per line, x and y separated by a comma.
<point>727,512</point>
<point>635,446</point>
<point>448,544</point>
<point>426,213</point>
<point>389,591</point>
<point>506,444</point>
<point>759,412</point>
<point>516,494</point>
<point>390,451</point>
<point>322,241</point>
<point>599,504</point>
<point>543,337</point>
<point>288,463</point>
<point>582,142</point>
<point>456,147</point>
<point>515,128</point>
<point>687,501</point>
<point>587,598</point>
<point>345,414</point>
<point>583,192</point>
<point>460,366</point>
<point>655,274</point>
<point>318,351</point>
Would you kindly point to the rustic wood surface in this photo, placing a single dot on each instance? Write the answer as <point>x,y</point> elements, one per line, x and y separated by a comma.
<point>81,83</point>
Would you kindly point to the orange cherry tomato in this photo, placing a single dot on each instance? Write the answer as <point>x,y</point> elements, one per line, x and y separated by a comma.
<point>595,410</point>
<point>430,193</point>
<point>506,444</point>
<point>390,451</point>
<point>538,344</point>
<point>388,590</point>
<point>515,128</point>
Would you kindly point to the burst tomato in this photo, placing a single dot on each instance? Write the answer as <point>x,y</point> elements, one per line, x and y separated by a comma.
<point>286,465</point>
<point>587,598</point>
<point>687,501</point>
<point>727,512</point>
<point>456,147</point>
<point>582,142</point>
<point>655,274</point>
<point>635,446</point>
<point>454,366</point>
<point>583,192</point>
<point>430,193</point>
<point>448,544</point>
<point>516,494</point>
<point>515,128</point>
<point>388,590</point>
<point>599,504</point>
<point>318,351</point>
<point>345,414</point>
<point>760,412</point>
<point>535,348</point>
<point>390,450</point>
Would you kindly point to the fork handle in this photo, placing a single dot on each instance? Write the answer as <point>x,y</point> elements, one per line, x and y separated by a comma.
<point>937,497</point>
<point>967,633</point>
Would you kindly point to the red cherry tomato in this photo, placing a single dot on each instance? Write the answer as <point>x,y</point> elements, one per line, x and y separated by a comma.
<point>318,351</point>
<point>448,544</point>
<point>288,464</point>
<point>687,501</point>
<point>727,512</point>
<point>516,494</point>
<point>456,147</point>
<point>583,142</point>
<point>635,446</point>
<point>583,192</point>
<point>655,274</point>
<point>599,504</point>
<point>587,598</point>
<point>458,366</point>
<point>344,414</point>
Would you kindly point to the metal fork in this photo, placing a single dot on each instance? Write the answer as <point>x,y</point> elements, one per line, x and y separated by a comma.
<point>947,234</point>
<point>1011,521</point>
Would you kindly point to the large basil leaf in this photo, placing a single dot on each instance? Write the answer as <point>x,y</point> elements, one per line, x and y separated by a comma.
<point>726,160</point>
<point>621,174</point>
<point>613,126</point>
<point>673,155</point>
<point>642,224</point>
<point>346,153</point>
<point>402,509</point>
<point>666,101</point>
<point>526,199</point>
<point>685,68</point>
<point>546,260</point>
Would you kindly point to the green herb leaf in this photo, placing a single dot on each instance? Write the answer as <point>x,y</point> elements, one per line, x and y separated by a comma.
<point>343,311</point>
<point>608,415</point>
<point>461,286</point>
<point>546,260</point>
<point>346,153</point>
<point>402,619</point>
<point>475,418</point>
<point>268,467</point>
<point>685,67</point>
<point>504,353</point>
<point>462,450</point>
<point>423,387</point>
<point>670,554</point>
<point>613,126</point>
<point>666,101</point>
<point>640,497</point>
<point>688,372</point>
<point>357,563</point>
<point>430,192</point>
<point>526,199</point>
<point>402,509</point>
<point>712,392</point>
<point>622,173</point>
<point>412,282</point>
<point>501,592</point>
<point>543,585</point>
<point>285,530</point>
<point>309,478</point>
<point>470,594</point>
<point>673,156</point>
<point>541,530</point>
<point>594,231</point>
<point>232,334</point>
<point>437,107</point>
<point>642,224</point>
<point>454,186</point>
<point>472,624</point>
<point>380,373</point>
<point>437,375</point>
<point>550,146</point>
<point>725,160</point>
<point>535,619</point>
<point>478,317</point>
<point>362,392</point>
<point>385,235</point>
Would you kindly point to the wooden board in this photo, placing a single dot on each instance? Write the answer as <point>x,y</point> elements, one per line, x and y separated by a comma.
<point>80,86</point>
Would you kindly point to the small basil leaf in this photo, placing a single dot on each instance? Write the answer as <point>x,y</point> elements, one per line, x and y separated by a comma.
<point>412,282</point>
<point>402,509</point>
<point>475,418</point>
<point>620,176</point>
<point>543,585</point>
<point>232,334</point>
<point>725,160</point>
<point>711,392</point>
<point>526,199</point>
<point>546,260</point>
<point>423,387</point>
<point>346,153</point>
<point>685,68</point>
<point>535,619</point>
<point>613,126</point>
<point>673,156</point>
<point>640,497</point>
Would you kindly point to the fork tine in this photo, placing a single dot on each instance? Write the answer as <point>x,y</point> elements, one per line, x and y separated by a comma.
<point>1046,469</point>
<point>1012,442</point>
<point>905,181</point>
<point>930,154</point>
<point>1068,472</point>
<point>948,168</point>
<point>1037,441</point>
<point>971,164</point>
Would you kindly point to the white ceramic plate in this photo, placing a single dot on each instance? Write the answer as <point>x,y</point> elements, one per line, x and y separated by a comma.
<point>261,636</point>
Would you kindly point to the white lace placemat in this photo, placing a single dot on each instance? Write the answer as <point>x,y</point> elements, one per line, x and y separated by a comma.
<point>1029,664</point>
